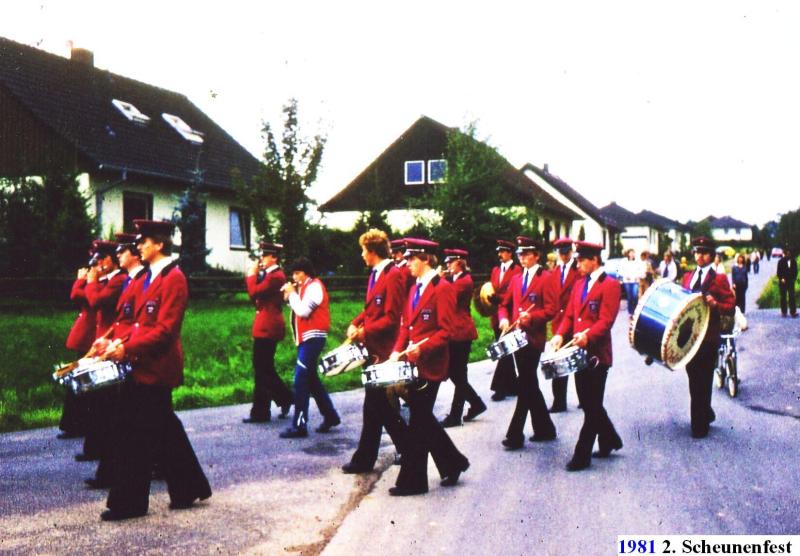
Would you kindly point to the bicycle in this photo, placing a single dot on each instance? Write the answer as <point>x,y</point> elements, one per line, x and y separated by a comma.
<point>727,365</point>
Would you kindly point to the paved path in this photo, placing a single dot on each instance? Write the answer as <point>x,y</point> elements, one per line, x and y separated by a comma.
<point>273,496</point>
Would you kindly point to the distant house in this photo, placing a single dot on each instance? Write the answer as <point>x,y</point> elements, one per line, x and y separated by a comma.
<point>679,234</point>
<point>596,226</point>
<point>134,145</point>
<point>728,228</point>
<point>415,162</point>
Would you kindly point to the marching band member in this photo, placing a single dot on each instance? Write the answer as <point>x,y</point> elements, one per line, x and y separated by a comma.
<point>79,340</point>
<point>588,319</point>
<point>424,334</point>
<point>148,427</point>
<point>103,288</point>
<point>311,320</point>
<point>264,281</point>
<point>531,303</point>
<point>562,279</point>
<point>131,264</point>
<point>377,326</point>
<point>463,334</point>
<point>700,370</point>
<point>504,381</point>
<point>398,248</point>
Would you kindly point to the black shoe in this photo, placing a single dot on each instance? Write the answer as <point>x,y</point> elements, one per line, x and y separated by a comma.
<point>353,469</point>
<point>605,451</point>
<point>398,459</point>
<point>285,411</point>
<point>67,435</point>
<point>452,479</point>
<point>186,503</point>
<point>498,397</point>
<point>96,484</point>
<point>711,416</point>
<point>542,437</point>
<point>577,465</point>
<point>475,410</point>
<point>328,424</point>
<point>405,491</point>
<point>86,457</point>
<point>557,408</point>
<point>449,422</point>
<point>512,445</point>
<point>700,432</point>
<point>251,419</point>
<point>112,515</point>
<point>294,432</point>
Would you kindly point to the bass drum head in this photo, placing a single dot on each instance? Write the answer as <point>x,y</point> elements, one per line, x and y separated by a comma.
<point>685,332</point>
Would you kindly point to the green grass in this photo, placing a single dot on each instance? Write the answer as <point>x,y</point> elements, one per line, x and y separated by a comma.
<point>217,344</point>
<point>770,295</point>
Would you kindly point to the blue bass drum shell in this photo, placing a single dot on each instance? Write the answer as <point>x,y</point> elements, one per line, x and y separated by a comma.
<point>669,324</point>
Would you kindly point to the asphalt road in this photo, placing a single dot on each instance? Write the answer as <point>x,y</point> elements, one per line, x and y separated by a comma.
<point>274,496</point>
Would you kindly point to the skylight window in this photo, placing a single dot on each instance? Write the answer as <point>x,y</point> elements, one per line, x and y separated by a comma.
<point>130,111</point>
<point>415,172</point>
<point>183,128</point>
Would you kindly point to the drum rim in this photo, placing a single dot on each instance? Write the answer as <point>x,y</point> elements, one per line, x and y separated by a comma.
<point>345,367</point>
<point>681,363</point>
<point>640,306</point>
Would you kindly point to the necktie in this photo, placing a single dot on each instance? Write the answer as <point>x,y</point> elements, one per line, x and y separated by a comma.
<point>563,273</point>
<point>415,301</point>
<point>502,271</point>
<point>699,283</point>
<point>147,277</point>
<point>126,282</point>
<point>585,290</point>
<point>525,282</point>
<point>372,280</point>
<point>666,271</point>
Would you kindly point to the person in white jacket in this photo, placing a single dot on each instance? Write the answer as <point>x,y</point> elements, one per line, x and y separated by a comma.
<point>632,270</point>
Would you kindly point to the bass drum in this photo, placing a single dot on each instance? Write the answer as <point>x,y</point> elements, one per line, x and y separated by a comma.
<point>669,324</point>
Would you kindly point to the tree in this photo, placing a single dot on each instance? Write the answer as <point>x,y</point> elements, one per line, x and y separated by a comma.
<point>278,195</point>
<point>473,202</point>
<point>789,230</point>
<point>45,228</point>
<point>582,234</point>
<point>702,228</point>
<point>190,218</point>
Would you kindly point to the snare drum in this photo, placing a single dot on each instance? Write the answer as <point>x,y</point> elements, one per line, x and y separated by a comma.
<point>669,324</point>
<point>564,362</point>
<point>344,358</point>
<point>388,373</point>
<point>92,374</point>
<point>508,344</point>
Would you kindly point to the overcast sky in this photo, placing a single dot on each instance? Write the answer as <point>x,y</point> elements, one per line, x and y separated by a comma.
<point>684,108</point>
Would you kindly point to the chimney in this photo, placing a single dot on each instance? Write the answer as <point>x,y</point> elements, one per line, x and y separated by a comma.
<point>82,56</point>
<point>546,169</point>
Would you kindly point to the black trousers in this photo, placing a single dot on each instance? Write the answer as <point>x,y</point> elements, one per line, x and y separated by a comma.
<point>147,425</point>
<point>378,413</point>
<point>591,386</point>
<point>268,385</point>
<point>504,381</point>
<point>74,413</point>
<point>426,435</point>
<point>700,371</point>
<point>787,294</point>
<point>457,371</point>
<point>529,398</point>
<point>740,297</point>
<point>559,387</point>
<point>101,405</point>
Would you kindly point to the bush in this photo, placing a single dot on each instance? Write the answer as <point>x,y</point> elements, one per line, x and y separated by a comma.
<point>770,296</point>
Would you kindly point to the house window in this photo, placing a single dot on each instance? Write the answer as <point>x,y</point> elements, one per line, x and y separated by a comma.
<point>130,111</point>
<point>135,206</point>
<point>415,172</point>
<point>437,171</point>
<point>183,128</point>
<point>239,225</point>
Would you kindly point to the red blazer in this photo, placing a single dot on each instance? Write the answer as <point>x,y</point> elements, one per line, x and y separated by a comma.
<point>717,286</point>
<point>539,301</point>
<point>82,333</point>
<point>597,313</point>
<point>155,348</point>
<point>382,310</point>
<point>103,296</point>
<point>432,319</point>
<point>562,291</point>
<point>500,288</point>
<point>463,326</point>
<point>125,306</point>
<point>268,299</point>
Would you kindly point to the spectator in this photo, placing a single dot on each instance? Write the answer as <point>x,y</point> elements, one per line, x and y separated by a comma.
<point>787,276</point>
<point>739,280</point>
<point>668,268</point>
<point>718,265</point>
<point>647,272</point>
<point>632,271</point>
<point>754,260</point>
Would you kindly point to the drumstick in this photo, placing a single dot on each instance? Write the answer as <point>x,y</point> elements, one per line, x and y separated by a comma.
<point>516,322</point>
<point>572,341</point>
<point>412,346</point>
<point>69,367</point>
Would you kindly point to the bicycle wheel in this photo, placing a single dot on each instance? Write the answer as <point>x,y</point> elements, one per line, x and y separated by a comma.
<point>719,377</point>
<point>733,380</point>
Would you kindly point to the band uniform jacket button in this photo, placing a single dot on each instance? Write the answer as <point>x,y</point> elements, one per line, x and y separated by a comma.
<point>579,320</point>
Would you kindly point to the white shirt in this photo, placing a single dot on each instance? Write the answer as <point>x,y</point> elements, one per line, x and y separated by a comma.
<point>632,270</point>
<point>563,270</point>
<point>672,270</point>
<point>455,276</point>
<point>110,275</point>
<point>312,298</point>
<point>504,267</point>
<point>425,280</point>
<point>270,269</point>
<point>378,268</point>
<point>134,272</point>
<point>529,273</point>
<point>705,270</point>
<point>593,278</point>
<point>719,268</point>
<point>157,267</point>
